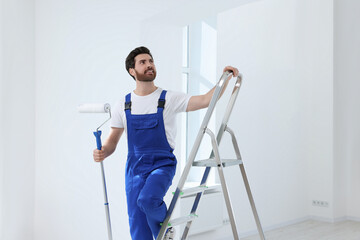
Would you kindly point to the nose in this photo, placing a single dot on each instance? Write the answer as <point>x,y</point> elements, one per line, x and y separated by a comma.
<point>150,66</point>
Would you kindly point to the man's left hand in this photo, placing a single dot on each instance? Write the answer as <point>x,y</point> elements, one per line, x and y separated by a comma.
<point>235,71</point>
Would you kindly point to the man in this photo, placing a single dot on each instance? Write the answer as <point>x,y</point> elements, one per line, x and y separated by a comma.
<point>148,114</point>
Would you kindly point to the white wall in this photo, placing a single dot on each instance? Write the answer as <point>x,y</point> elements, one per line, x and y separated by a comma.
<point>346,109</point>
<point>293,109</point>
<point>284,49</point>
<point>283,117</point>
<point>18,119</point>
<point>1,121</point>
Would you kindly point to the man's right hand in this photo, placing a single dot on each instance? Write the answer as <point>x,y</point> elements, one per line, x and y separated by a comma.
<point>98,155</point>
<point>109,145</point>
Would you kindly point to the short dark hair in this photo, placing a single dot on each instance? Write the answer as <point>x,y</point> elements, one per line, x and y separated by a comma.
<point>130,59</point>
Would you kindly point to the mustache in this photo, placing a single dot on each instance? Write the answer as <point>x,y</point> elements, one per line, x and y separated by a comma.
<point>149,69</point>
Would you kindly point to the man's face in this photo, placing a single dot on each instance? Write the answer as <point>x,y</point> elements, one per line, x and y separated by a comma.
<point>144,70</point>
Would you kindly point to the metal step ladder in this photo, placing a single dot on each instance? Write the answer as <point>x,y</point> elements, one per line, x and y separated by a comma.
<point>214,161</point>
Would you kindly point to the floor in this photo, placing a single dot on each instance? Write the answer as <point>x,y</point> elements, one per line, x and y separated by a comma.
<point>314,230</point>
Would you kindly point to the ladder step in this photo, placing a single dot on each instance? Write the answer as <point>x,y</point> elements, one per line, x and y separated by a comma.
<point>212,163</point>
<point>192,190</point>
<point>180,220</point>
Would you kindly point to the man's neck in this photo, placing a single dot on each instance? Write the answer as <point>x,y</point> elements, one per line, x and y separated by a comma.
<point>144,88</point>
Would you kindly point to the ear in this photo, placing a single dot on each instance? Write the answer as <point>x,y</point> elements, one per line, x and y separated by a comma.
<point>132,72</point>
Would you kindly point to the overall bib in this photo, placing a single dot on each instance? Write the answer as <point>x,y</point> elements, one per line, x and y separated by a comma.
<point>150,169</point>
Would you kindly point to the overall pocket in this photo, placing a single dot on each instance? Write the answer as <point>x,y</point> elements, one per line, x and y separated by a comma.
<point>145,123</point>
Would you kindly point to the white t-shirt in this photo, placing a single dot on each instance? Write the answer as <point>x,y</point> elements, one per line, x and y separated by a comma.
<point>176,102</point>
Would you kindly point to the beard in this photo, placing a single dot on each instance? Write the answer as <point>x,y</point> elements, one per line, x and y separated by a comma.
<point>143,77</point>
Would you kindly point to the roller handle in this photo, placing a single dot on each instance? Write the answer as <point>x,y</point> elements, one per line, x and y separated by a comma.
<point>98,139</point>
<point>107,211</point>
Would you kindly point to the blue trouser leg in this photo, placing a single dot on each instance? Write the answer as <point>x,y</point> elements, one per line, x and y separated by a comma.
<point>139,228</point>
<point>151,196</point>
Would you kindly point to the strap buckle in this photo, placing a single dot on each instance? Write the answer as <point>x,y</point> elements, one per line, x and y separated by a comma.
<point>127,106</point>
<point>161,103</point>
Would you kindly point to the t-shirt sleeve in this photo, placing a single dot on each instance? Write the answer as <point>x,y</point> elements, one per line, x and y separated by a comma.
<point>116,117</point>
<point>179,101</point>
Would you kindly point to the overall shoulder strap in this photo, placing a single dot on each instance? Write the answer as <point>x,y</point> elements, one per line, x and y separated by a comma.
<point>127,102</point>
<point>161,101</point>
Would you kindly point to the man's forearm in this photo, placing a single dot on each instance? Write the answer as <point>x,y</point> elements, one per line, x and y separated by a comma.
<point>111,142</point>
<point>208,96</point>
<point>108,148</point>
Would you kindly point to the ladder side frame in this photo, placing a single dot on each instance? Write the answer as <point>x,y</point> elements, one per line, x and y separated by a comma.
<point>223,184</point>
<point>219,87</point>
<point>222,128</point>
<point>246,183</point>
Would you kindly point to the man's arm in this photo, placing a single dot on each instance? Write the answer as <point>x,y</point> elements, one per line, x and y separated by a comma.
<point>109,146</point>
<point>203,101</point>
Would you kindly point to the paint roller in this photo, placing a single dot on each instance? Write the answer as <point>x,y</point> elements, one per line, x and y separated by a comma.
<point>100,108</point>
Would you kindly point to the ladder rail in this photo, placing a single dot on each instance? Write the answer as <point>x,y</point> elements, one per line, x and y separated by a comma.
<point>218,89</point>
<point>234,142</point>
<point>223,184</point>
<point>246,183</point>
<point>229,108</point>
<point>222,128</point>
<point>216,95</point>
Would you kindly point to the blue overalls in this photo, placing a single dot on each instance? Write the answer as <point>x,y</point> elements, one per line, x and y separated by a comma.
<point>150,169</point>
